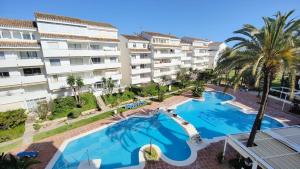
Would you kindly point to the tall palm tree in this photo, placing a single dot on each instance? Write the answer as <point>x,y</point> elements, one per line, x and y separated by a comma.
<point>9,161</point>
<point>104,81</point>
<point>71,81</point>
<point>110,85</point>
<point>265,51</point>
<point>79,84</point>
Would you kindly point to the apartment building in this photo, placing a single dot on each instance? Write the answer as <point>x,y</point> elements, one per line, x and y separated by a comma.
<point>79,47</point>
<point>165,55</point>
<point>186,57</point>
<point>215,50</point>
<point>22,71</point>
<point>136,60</point>
<point>200,55</point>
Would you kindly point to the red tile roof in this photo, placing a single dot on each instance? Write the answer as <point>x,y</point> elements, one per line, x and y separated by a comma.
<point>160,34</point>
<point>52,17</point>
<point>63,36</point>
<point>134,37</point>
<point>13,23</point>
<point>18,44</point>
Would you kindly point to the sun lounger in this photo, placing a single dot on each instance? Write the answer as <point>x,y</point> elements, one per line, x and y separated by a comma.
<point>29,154</point>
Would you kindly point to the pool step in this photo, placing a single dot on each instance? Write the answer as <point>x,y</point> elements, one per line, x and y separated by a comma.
<point>91,164</point>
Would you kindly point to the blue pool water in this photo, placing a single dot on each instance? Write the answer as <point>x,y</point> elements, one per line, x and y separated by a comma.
<point>213,119</point>
<point>118,145</point>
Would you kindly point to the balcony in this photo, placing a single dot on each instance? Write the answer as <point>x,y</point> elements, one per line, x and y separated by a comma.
<point>140,80</point>
<point>165,55</point>
<point>85,52</point>
<point>81,68</point>
<point>186,65</point>
<point>200,54</point>
<point>165,73</point>
<point>173,63</point>
<point>21,63</point>
<point>140,71</point>
<point>199,60</point>
<point>140,61</point>
<point>22,80</point>
<point>186,58</point>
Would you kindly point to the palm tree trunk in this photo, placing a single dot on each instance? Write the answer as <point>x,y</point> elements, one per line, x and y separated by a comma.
<point>75,94</point>
<point>262,108</point>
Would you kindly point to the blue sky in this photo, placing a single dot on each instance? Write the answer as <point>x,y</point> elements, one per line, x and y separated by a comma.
<point>212,19</point>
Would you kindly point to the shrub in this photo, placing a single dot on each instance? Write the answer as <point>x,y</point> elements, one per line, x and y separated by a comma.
<point>12,133</point>
<point>199,89</point>
<point>11,119</point>
<point>36,126</point>
<point>61,107</point>
<point>42,110</point>
<point>151,154</point>
<point>115,98</point>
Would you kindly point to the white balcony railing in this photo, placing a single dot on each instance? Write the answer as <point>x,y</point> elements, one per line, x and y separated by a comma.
<point>67,53</point>
<point>173,63</point>
<point>21,62</point>
<point>140,80</point>
<point>140,61</point>
<point>165,73</point>
<point>166,55</point>
<point>140,71</point>
<point>22,80</point>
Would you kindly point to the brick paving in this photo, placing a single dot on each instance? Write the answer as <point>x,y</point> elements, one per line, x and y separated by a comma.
<point>206,158</point>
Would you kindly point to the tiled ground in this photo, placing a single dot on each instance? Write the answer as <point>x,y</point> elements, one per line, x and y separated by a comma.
<point>206,158</point>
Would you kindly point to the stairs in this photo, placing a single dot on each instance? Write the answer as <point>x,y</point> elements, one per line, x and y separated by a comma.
<point>101,103</point>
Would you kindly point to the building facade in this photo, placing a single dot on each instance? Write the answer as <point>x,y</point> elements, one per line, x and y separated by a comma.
<point>136,60</point>
<point>200,55</point>
<point>36,57</point>
<point>215,50</point>
<point>165,55</point>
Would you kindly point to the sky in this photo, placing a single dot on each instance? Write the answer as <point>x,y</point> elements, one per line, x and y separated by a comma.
<point>210,19</point>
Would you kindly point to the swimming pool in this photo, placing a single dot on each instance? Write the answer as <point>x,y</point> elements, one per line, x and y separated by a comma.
<point>118,145</point>
<point>213,119</point>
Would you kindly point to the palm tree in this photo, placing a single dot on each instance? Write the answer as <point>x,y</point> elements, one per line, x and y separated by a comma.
<point>79,84</point>
<point>110,85</point>
<point>104,81</point>
<point>9,161</point>
<point>265,51</point>
<point>71,81</point>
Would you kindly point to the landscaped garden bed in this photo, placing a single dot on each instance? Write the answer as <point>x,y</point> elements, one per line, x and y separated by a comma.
<point>12,124</point>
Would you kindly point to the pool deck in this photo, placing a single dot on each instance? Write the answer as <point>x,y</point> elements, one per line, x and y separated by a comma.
<point>206,157</point>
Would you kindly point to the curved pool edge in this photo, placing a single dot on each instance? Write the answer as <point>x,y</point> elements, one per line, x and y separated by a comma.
<point>141,164</point>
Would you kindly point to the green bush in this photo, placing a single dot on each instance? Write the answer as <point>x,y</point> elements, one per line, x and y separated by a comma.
<point>118,97</point>
<point>61,107</point>
<point>12,133</point>
<point>12,119</point>
<point>199,89</point>
<point>36,126</point>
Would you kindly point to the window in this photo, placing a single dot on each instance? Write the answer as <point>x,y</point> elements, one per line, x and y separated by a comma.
<point>97,60</point>
<point>26,36</point>
<point>95,47</point>
<point>33,36</point>
<point>28,55</point>
<point>144,56</point>
<point>133,56</point>
<point>98,85</point>
<point>6,34</point>
<point>2,56</point>
<point>143,66</point>
<point>144,45</point>
<point>4,74</point>
<point>74,46</point>
<point>133,67</point>
<point>32,71</point>
<point>134,45</point>
<point>17,35</point>
<point>54,62</point>
<point>76,61</point>
<point>113,59</point>
<point>53,45</point>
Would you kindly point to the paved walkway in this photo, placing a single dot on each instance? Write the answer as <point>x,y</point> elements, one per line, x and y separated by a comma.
<point>206,158</point>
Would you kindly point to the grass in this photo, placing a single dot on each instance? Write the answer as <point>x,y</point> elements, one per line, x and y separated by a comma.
<point>10,147</point>
<point>71,126</point>
<point>150,155</point>
<point>113,98</point>
<point>12,133</point>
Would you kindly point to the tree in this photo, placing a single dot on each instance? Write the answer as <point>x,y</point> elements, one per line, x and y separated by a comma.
<point>182,78</point>
<point>71,81</point>
<point>104,81</point>
<point>42,109</point>
<point>160,92</point>
<point>9,161</point>
<point>198,89</point>
<point>110,85</point>
<point>79,84</point>
<point>266,51</point>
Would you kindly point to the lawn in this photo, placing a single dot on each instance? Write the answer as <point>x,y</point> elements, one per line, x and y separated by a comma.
<point>12,133</point>
<point>61,107</point>
<point>113,98</point>
<point>10,147</point>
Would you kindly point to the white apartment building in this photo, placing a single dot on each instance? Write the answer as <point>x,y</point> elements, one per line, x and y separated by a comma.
<point>82,48</point>
<point>215,50</point>
<point>136,60</point>
<point>186,57</point>
<point>165,55</point>
<point>22,71</point>
<point>200,55</point>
